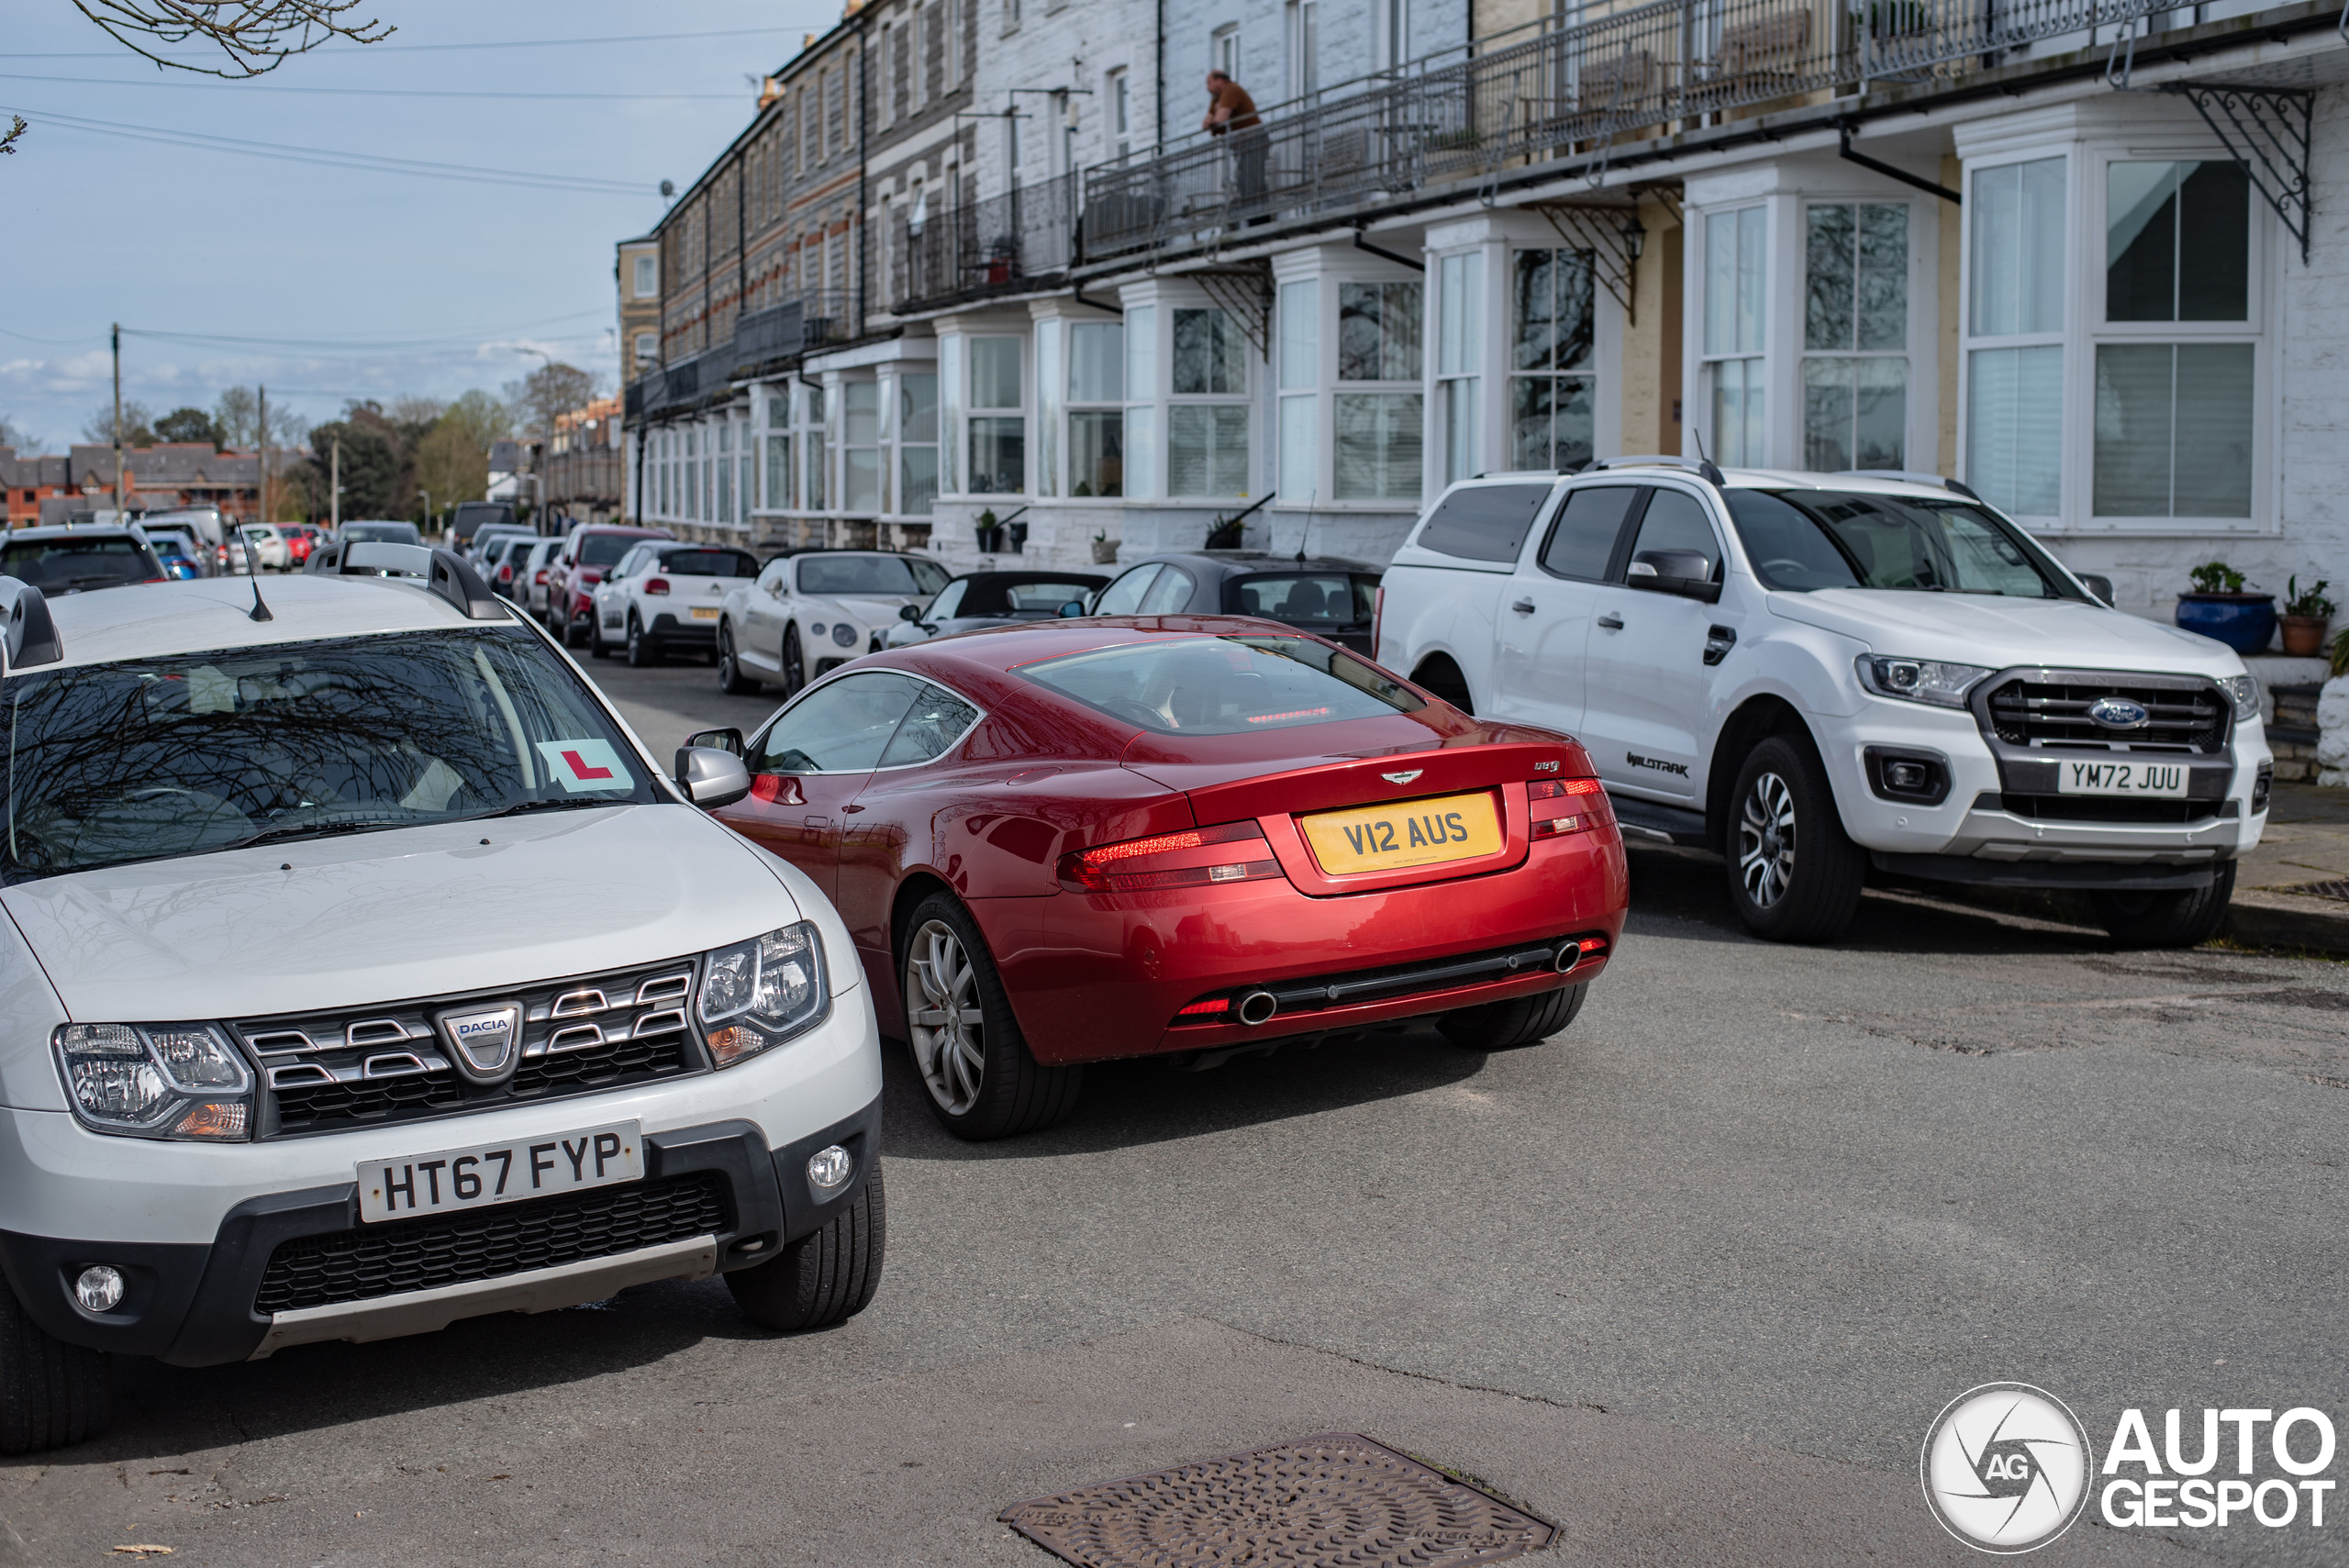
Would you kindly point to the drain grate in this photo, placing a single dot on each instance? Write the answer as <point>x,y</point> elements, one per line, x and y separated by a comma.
<point>2338,890</point>
<point>1338,1499</point>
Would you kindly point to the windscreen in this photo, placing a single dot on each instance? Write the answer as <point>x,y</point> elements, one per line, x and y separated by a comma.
<point>381,533</point>
<point>1225,686</point>
<point>1801,539</point>
<point>880,575</point>
<point>69,565</point>
<point>1029,601</point>
<point>149,759</point>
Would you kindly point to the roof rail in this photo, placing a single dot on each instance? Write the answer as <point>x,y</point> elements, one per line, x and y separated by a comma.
<point>31,635</point>
<point>1912,477</point>
<point>1703,466</point>
<point>444,571</point>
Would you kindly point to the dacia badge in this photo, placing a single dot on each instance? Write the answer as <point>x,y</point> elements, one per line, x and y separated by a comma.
<point>484,1042</point>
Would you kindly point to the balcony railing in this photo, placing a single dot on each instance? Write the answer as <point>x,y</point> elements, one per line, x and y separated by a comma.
<point>1002,245</point>
<point>1553,90</point>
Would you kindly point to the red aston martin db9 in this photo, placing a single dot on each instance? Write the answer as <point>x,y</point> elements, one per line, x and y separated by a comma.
<point>1072,841</point>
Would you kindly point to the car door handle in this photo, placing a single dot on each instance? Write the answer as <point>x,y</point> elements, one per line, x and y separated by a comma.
<point>852,810</point>
<point>1523,606</point>
<point>1611,621</point>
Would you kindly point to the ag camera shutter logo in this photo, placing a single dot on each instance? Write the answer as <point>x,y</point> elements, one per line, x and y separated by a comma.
<point>2006,1468</point>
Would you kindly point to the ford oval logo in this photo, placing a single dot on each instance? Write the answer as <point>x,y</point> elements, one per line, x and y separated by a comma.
<point>2117,712</point>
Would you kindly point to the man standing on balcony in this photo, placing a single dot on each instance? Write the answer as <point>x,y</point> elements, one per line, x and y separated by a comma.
<point>1232,113</point>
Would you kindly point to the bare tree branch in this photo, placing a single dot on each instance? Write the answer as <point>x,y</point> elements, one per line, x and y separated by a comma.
<point>253,35</point>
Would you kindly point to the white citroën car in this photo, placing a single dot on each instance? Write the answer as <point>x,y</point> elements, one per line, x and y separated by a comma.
<point>1823,675</point>
<point>279,1063</point>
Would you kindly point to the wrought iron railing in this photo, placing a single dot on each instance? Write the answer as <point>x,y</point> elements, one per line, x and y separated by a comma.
<point>1001,245</point>
<point>1552,91</point>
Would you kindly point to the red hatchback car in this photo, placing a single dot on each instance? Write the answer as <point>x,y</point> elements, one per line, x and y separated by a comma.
<point>1069,842</point>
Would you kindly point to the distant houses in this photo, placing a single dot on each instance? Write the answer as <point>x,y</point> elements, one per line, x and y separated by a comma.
<point>49,489</point>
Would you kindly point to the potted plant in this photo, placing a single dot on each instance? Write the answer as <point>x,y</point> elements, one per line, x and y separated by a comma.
<point>1225,533</point>
<point>1018,534</point>
<point>2219,608</point>
<point>2305,617</point>
<point>990,533</point>
<point>1105,549</point>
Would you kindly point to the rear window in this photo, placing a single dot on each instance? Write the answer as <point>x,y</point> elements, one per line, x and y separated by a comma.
<point>1321,598</point>
<point>1225,686</point>
<point>875,574</point>
<point>603,549</point>
<point>69,565</point>
<point>382,533</point>
<point>1483,522</point>
<point>709,563</point>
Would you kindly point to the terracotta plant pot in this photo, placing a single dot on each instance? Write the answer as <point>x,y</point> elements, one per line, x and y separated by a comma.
<point>2303,635</point>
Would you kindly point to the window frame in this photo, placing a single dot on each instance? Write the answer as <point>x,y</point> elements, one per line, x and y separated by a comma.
<point>1754,362</point>
<point>1902,355</point>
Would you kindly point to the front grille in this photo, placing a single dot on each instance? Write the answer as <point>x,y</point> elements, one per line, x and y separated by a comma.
<point>370,1066</point>
<point>2111,808</point>
<point>2048,709</point>
<point>423,1255</point>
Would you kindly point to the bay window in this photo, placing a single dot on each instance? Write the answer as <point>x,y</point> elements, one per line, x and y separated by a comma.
<point>1553,359</point>
<point>1097,396</point>
<point>1206,425</point>
<point>1855,336</point>
<point>1378,433</point>
<point>1460,361</point>
<point>998,425</point>
<point>781,495</point>
<point>917,442</point>
<point>1736,282</point>
<point>1141,417</point>
<point>2014,412</point>
<point>1299,382</point>
<point>861,447</point>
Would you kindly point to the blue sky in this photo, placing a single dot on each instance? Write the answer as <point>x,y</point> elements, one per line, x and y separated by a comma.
<point>372,283</point>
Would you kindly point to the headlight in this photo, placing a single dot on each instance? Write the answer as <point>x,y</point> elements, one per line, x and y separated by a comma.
<point>1920,679</point>
<point>844,634</point>
<point>763,991</point>
<point>2243,693</point>
<point>156,1080</point>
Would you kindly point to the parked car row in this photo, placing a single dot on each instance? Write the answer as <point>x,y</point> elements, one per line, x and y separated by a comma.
<point>1025,851</point>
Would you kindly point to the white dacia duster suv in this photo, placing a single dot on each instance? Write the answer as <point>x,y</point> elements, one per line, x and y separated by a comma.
<point>363,973</point>
<point>1818,674</point>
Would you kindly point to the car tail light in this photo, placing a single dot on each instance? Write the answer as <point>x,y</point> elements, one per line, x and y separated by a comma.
<point>656,585</point>
<point>1377,620</point>
<point>1566,806</point>
<point>542,576</point>
<point>1196,857</point>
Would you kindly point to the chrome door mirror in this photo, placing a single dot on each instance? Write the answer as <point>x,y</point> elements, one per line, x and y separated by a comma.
<point>711,778</point>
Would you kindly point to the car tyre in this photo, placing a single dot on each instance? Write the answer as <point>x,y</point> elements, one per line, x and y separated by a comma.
<point>1519,1021</point>
<point>569,631</point>
<point>595,648</point>
<point>2183,918</point>
<point>51,1393</point>
<point>825,1277</point>
<point>794,664</point>
<point>642,652</point>
<point>1794,874</point>
<point>980,1078</point>
<point>730,678</point>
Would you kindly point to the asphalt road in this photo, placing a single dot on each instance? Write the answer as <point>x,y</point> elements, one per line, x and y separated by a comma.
<point>1690,1280</point>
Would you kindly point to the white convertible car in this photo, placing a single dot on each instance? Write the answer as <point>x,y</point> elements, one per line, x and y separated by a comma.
<point>809,612</point>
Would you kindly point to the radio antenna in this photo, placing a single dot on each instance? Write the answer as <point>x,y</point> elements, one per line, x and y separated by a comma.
<point>252,569</point>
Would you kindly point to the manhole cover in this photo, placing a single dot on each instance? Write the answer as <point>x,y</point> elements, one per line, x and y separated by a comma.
<point>2335,890</point>
<point>1338,1499</point>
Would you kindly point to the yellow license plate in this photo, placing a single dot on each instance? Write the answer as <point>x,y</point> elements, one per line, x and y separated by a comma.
<point>705,612</point>
<point>1416,833</point>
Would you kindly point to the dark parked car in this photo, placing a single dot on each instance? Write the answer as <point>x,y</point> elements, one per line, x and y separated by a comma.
<point>69,560</point>
<point>378,531</point>
<point>1322,594</point>
<point>469,517</point>
<point>993,598</point>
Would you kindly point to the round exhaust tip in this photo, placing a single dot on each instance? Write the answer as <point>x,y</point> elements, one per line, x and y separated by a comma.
<point>1569,956</point>
<point>1258,1007</point>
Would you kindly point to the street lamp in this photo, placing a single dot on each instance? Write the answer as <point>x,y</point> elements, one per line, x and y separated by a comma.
<point>428,507</point>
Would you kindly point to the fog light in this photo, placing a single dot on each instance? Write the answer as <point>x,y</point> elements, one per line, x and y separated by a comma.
<point>1905,775</point>
<point>828,1168</point>
<point>100,1288</point>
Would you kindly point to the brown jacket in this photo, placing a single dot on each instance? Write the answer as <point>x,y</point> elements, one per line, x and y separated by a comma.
<point>1233,97</point>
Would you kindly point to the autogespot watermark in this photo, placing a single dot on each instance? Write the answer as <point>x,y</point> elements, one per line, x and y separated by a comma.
<point>2007,1468</point>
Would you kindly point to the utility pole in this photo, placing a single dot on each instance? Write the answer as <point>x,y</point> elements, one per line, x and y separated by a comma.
<point>334,486</point>
<point>117,421</point>
<point>261,423</point>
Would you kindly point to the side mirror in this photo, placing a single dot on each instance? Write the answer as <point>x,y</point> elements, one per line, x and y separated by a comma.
<point>1071,610</point>
<point>710,777</point>
<point>909,612</point>
<point>726,740</point>
<point>1683,571</point>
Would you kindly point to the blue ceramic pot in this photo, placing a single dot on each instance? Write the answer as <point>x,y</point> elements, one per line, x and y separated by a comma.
<point>2245,622</point>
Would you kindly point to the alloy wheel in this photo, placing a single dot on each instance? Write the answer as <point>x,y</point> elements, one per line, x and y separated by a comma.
<point>945,1019</point>
<point>1765,840</point>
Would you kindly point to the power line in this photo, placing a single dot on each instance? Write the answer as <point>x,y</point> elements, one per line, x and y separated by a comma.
<point>508,43</point>
<point>332,159</point>
<point>386,91</point>
<point>452,340</point>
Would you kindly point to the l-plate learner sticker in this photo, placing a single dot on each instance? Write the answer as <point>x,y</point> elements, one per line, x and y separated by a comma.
<point>583,765</point>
